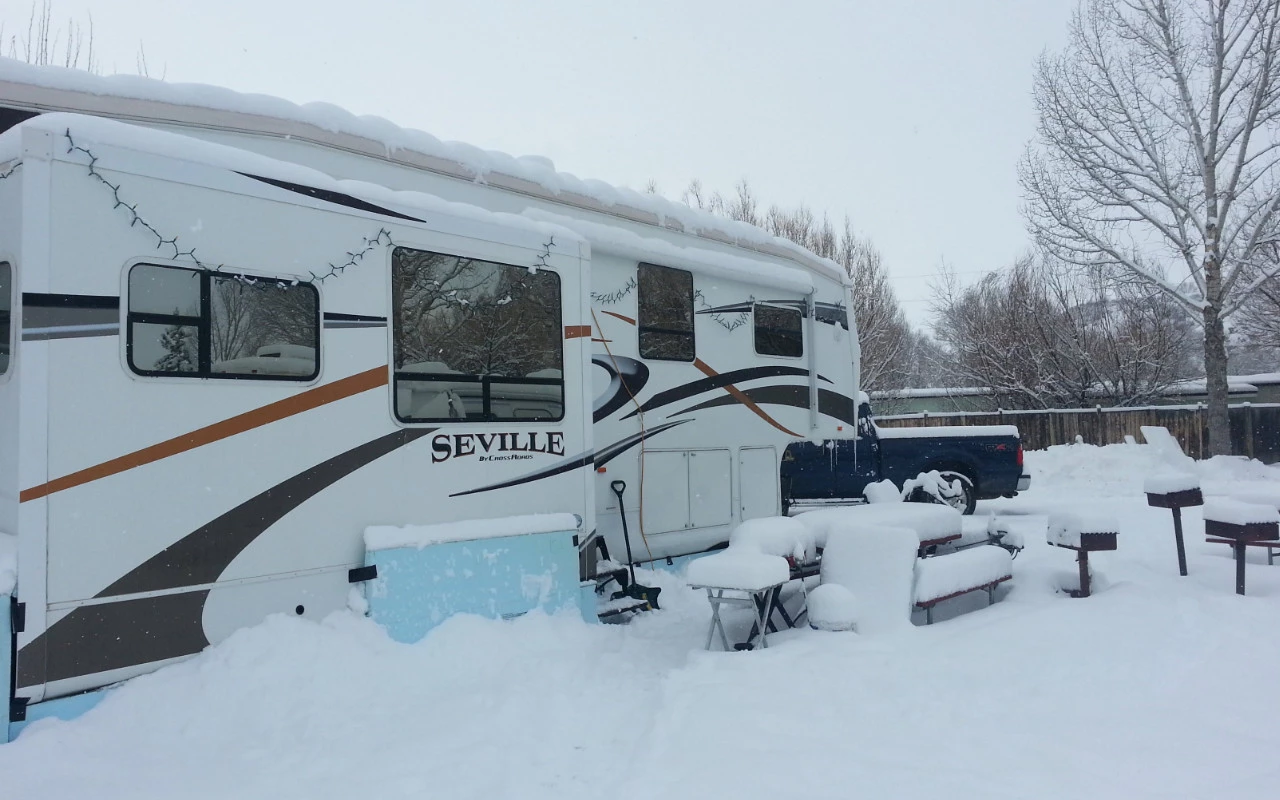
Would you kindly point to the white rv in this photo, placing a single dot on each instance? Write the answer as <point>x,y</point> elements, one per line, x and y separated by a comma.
<point>238,332</point>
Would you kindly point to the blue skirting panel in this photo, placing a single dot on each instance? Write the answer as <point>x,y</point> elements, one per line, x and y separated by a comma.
<point>6,664</point>
<point>419,588</point>
<point>59,708</point>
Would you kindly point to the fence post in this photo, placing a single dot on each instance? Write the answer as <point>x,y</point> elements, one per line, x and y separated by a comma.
<point>1200,429</point>
<point>1102,433</point>
<point>1248,429</point>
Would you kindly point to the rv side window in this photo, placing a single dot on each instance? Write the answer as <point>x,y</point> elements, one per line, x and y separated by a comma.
<point>200,324</point>
<point>665,319</point>
<point>475,340</point>
<point>779,331</point>
<point>6,332</point>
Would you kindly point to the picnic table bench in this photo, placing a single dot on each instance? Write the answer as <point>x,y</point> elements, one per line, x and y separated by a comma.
<point>946,577</point>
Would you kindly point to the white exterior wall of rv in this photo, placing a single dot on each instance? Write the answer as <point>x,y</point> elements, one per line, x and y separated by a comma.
<point>98,409</point>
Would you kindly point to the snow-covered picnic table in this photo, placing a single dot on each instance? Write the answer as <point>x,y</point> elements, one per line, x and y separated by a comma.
<point>933,524</point>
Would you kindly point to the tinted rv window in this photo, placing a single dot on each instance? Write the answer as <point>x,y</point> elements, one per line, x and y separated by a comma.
<point>475,340</point>
<point>6,299</point>
<point>779,331</point>
<point>665,318</point>
<point>201,324</point>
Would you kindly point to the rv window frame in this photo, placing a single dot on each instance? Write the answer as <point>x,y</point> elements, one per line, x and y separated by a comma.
<point>756,328</point>
<point>11,335</point>
<point>204,325</point>
<point>641,328</point>
<point>485,381</point>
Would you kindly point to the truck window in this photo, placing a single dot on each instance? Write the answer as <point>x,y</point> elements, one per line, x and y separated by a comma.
<point>779,331</point>
<point>201,324</point>
<point>665,315</point>
<point>6,303</point>
<point>475,340</point>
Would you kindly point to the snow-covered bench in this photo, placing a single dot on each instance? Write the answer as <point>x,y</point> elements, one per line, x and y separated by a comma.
<point>944,577</point>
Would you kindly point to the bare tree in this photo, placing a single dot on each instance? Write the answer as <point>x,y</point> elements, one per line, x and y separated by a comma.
<point>884,335</point>
<point>1040,336</point>
<point>46,44</point>
<point>1156,155</point>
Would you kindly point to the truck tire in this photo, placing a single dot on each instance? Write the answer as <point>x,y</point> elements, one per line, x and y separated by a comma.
<point>968,499</point>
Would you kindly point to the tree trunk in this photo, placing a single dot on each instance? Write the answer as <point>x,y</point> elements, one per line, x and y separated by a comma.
<point>1215,371</point>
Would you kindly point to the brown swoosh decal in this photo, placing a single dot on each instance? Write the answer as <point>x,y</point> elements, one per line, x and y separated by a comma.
<point>627,320</point>
<point>272,412</point>
<point>738,395</point>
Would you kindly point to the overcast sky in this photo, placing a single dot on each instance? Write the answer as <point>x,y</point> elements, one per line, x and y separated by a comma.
<point>908,116</point>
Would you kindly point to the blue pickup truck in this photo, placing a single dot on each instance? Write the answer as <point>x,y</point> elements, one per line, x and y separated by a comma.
<point>985,461</point>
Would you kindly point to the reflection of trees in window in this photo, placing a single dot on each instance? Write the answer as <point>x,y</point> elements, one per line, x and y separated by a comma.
<point>779,331</point>
<point>201,324</point>
<point>462,323</point>
<point>6,334</point>
<point>665,318</point>
<point>250,316</point>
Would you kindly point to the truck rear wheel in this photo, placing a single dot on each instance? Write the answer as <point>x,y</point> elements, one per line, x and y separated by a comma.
<point>967,500</point>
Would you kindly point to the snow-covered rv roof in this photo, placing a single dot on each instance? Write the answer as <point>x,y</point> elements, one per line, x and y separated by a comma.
<point>39,89</point>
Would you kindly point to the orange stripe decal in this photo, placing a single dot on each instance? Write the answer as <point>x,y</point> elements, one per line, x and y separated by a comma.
<point>272,412</point>
<point>737,394</point>
<point>577,331</point>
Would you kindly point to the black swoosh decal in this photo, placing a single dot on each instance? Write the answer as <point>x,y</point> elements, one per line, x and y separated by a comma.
<point>625,381</point>
<point>337,198</point>
<point>830,403</point>
<point>68,316</point>
<point>333,319</point>
<point>142,630</point>
<point>701,385</point>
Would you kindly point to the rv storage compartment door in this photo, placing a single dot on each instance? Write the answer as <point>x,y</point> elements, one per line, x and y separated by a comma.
<point>666,491</point>
<point>758,482</point>
<point>686,489</point>
<point>710,488</point>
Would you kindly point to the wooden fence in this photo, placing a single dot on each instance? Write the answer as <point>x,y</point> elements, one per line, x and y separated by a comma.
<point>1255,429</point>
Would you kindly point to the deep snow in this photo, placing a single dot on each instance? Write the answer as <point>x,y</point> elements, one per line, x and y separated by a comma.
<point>1148,689</point>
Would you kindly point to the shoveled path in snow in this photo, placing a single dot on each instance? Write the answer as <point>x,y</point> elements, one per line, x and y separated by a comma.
<point>1150,689</point>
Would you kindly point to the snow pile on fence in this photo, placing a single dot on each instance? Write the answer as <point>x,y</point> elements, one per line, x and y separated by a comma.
<point>1236,512</point>
<point>1169,482</point>
<point>1168,448</point>
<point>387,537</point>
<point>1066,527</point>
<point>944,576</point>
<point>928,520</point>
<point>876,564</point>
<point>882,492</point>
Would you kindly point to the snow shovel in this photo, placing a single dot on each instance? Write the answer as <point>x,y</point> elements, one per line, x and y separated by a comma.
<point>647,594</point>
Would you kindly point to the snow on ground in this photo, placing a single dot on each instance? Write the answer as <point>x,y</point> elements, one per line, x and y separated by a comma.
<point>1148,689</point>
